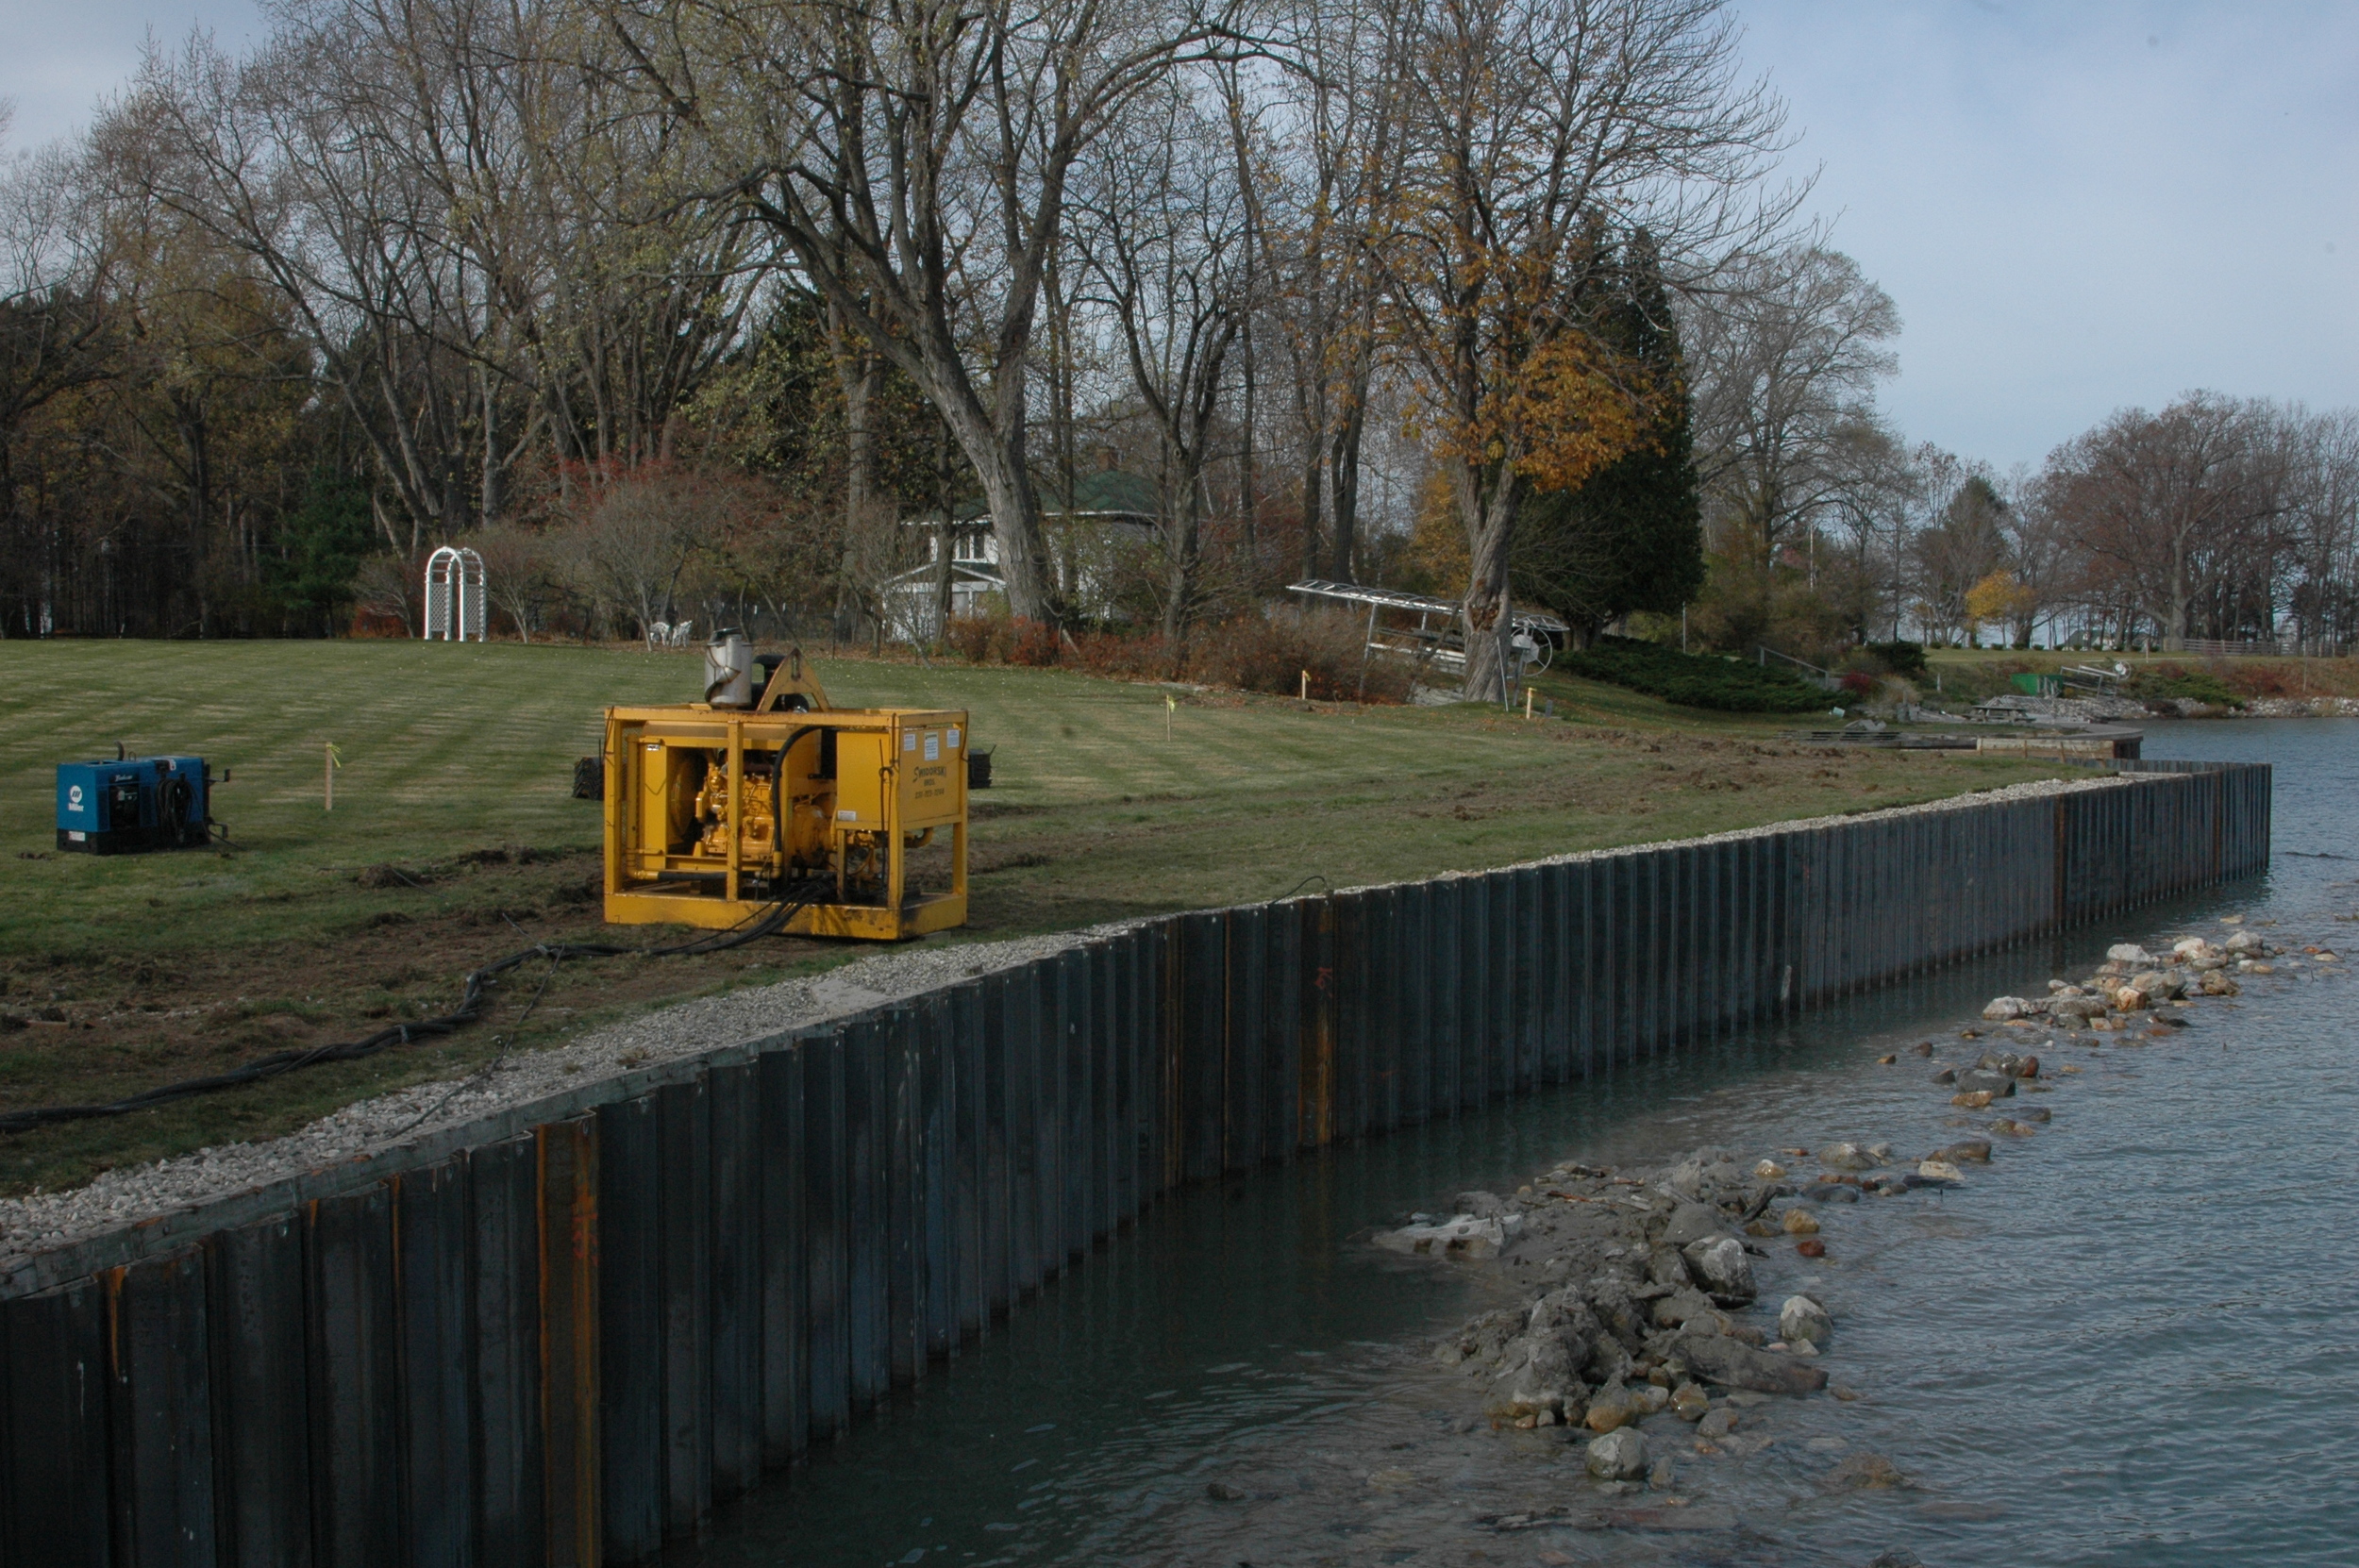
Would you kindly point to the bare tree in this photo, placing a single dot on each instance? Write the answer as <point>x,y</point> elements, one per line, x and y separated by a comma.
<point>523,572</point>
<point>58,335</point>
<point>386,587</point>
<point>1786,349</point>
<point>1537,131</point>
<point>877,548</point>
<point>1319,194</point>
<point>915,161</point>
<point>467,258</point>
<point>632,541</point>
<point>484,249</point>
<point>2040,553</point>
<point>1964,542</point>
<point>1162,232</point>
<point>2323,595</point>
<point>2166,506</point>
<point>323,202</point>
<point>1873,516</point>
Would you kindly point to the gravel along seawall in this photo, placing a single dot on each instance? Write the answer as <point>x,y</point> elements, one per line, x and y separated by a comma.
<point>1807,1297</point>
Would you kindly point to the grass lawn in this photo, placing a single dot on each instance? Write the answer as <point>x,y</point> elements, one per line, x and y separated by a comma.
<point>454,840</point>
<point>1972,673</point>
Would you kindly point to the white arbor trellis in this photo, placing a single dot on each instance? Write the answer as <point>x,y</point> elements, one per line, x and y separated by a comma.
<point>455,600</point>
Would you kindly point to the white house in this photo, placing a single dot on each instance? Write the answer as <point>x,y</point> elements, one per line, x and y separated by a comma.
<point>1110,511</point>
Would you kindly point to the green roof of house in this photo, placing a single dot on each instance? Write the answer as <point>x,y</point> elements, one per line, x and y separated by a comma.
<point>1108,490</point>
<point>1101,490</point>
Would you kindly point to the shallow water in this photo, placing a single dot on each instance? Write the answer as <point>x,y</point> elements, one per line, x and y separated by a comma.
<point>2130,1342</point>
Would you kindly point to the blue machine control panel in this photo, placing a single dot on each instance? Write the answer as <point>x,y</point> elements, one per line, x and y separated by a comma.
<point>143,803</point>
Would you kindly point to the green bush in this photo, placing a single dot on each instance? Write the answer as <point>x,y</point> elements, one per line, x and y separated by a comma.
<point>2176,680</point>
<point>1903,657</point>
<point>1692,681</point>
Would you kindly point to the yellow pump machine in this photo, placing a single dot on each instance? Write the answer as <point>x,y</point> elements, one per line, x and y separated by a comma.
<point>766,797</point>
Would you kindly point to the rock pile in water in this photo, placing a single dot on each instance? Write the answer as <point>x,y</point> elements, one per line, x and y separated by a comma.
<point>1645,1277</point>
<point>2132,980</point>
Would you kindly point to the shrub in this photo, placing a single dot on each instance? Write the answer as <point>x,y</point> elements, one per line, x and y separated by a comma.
<point>970,637</point>
<point>1859,683</point>
<point>2176,680</point>
<point>1146,657</point>
<point>1902,658</point>
<point>1692,681</point>
<point>1035,642</point>
<point>2247,678</point>
<point>1270,652</point>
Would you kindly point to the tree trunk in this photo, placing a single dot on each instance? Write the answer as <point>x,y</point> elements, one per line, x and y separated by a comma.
<point>2179,586</point>
<point>998,456</point>
<point>1180,583</point>
<point>990,424</point>
<point>861,375</point>
<point>489,501</point>
<point>1248,515</point>
<point>942,537</point>
<point>1016,524</point>
<point>193,437</point>
<point>1061,434</point>
<point>1344,469</point>
<point>945,542</point>
<point>1310,469</point>
<point>1489,513</point>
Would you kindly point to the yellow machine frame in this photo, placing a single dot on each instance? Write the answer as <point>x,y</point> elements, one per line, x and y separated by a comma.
<point>693,835</point>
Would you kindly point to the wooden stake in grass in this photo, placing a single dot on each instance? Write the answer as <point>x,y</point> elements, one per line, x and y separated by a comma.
<point>335,761</point>
<point>1171,705</point>
<point>1306,686</point>
<point>1527,705</point>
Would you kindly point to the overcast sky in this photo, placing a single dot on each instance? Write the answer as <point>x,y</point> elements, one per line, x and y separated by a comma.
<point>2076,207</point>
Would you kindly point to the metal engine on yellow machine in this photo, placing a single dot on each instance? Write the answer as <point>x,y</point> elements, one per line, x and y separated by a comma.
<point>756,815</point>
<point>765,796</point>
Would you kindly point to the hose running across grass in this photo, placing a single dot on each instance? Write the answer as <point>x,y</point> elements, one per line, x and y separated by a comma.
<point>766,922</point>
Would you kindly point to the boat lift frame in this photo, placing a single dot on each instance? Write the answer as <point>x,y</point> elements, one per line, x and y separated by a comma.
<point>1537,633</point>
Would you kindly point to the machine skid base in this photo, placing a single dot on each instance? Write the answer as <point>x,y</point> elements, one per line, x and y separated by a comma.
<point>869,922</point>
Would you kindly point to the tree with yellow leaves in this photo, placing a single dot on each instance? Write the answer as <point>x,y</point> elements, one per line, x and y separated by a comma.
<point>1535,134</point>
<point>2000,597</point>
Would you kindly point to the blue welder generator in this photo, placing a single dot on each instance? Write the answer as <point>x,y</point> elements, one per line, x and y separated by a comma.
<point>134,802</point>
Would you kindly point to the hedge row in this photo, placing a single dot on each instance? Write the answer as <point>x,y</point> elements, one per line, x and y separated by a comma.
<point>1692,681</point>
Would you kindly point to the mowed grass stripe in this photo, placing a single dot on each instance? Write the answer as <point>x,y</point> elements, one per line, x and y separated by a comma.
<point>174,963</point>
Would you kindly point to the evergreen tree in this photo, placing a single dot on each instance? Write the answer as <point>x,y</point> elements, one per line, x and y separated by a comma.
<point>1631,538</point>
<point>318,552</point>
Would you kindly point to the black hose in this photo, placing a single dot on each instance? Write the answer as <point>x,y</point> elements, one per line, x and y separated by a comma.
<point>768,922</point>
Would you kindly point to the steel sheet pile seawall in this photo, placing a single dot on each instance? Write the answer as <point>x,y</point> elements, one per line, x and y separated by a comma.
<point>566,1334</point>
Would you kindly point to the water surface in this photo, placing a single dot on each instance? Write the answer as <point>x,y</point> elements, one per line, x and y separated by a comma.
<point>2131,1341</point>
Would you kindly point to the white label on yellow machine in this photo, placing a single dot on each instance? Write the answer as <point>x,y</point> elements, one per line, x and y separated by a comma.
<point>848,816</point>
<point>908,739</point>
<point>953,741</point>
<point>933,746</point>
